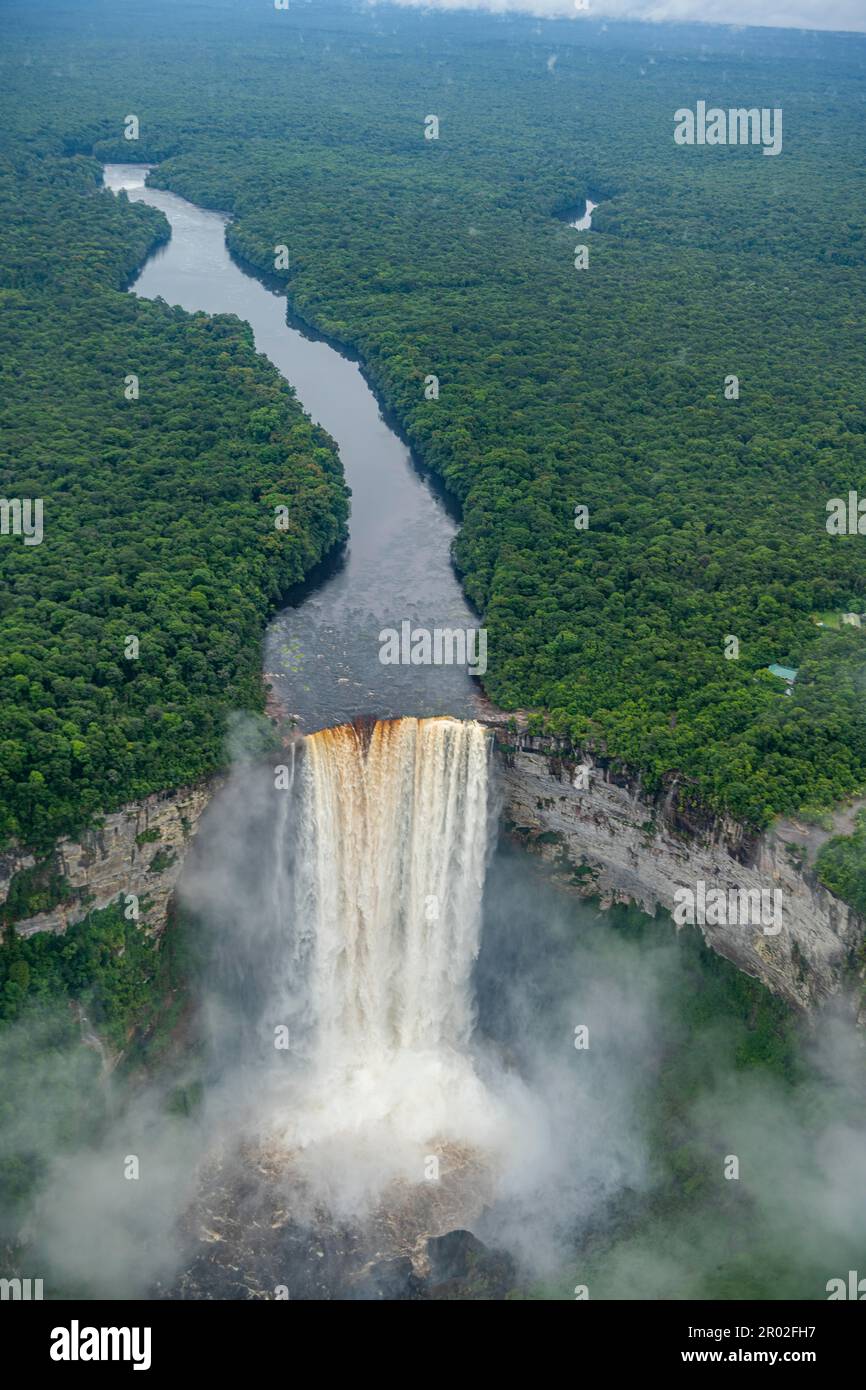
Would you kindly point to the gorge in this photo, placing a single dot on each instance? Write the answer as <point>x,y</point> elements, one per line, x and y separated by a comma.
<point>433,753</point>
<point>323,660</point>
<point>394,1003</point>
<point>623,847</point>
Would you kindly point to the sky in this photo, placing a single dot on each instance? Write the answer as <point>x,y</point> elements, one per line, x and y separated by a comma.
<point>785,14</point>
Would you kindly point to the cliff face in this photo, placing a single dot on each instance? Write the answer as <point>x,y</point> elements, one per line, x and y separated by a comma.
<point>611,840</point>
<point>139,849</point>
<point>608,839</point>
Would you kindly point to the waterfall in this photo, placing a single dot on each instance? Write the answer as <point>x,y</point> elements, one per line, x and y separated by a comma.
<point>343,903</point>
<point>391,873</point>
<point>379,939</point>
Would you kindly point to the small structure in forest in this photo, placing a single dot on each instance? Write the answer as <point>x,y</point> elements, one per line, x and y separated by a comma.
<point>785,673</point>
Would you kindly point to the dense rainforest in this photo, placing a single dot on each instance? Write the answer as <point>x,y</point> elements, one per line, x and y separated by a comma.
<point>560,388</point>
<point>133,627</point>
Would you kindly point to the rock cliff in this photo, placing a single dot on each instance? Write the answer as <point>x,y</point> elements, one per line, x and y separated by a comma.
<point>607,838</point>
<point>139,849</point>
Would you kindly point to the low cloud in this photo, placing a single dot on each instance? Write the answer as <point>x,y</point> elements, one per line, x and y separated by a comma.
<point>840,15</point>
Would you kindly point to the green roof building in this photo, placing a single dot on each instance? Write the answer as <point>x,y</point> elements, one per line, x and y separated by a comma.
<point>786,673</point>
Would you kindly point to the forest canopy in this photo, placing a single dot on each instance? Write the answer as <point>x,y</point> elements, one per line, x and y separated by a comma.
<point>560,388</point>
<point>134,626</point>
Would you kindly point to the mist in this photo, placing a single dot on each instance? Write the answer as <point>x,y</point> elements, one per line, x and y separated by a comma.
<point>646,1119</point>
<point>581,1114</point>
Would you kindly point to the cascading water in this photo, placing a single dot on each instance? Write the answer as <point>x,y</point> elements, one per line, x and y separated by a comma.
<point>392,872</point>
<point>362,864</point>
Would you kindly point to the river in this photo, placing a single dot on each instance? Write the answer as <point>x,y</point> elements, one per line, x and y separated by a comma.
<point>361,890</point>
<point>464,1050</point>
<point>321,652</point>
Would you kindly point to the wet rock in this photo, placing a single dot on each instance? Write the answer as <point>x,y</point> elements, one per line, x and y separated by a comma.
<point>462,1267</point>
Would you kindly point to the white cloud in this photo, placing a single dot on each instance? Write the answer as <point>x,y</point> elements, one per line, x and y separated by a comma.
<point>843,15</point>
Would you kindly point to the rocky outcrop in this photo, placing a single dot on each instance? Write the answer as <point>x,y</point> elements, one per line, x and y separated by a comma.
<point>607,838</point>
<point>139,849</point>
